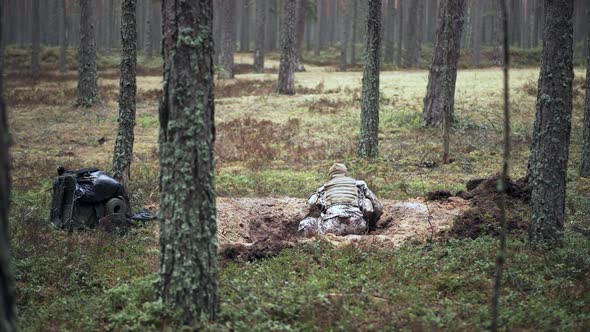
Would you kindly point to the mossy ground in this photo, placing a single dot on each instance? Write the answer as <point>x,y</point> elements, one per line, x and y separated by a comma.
<point>282,146</point>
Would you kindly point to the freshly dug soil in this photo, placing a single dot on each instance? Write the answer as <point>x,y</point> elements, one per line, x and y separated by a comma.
<point>256,228</point>
<point>484,215</point>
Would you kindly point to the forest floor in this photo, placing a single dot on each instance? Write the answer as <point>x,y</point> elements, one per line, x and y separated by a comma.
<point>272,152</point>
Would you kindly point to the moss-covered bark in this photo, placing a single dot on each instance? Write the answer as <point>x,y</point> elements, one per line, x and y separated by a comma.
<point>551,134</point>
<point>188,229</point>
<point>7,298</point>
<point>440,93</point>
<point>87,76</point>
<point>585,159</point>
<point>369,141</point>
<point>228,39</point>
<point>286,85</point>
<point>260,36</point>
<point>127,90</point>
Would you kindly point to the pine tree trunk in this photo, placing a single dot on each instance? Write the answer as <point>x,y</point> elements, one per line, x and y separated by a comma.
<point>345,30</point>
<point>400,33</point>
<point>300,34</point>
<point>354,28</point>
<point>228,39</point>
<point>389,32</point>
<point>286,85</point>
<point>7,295</point>
<point>585,160</point>
<point>147,41</point>
<point>319,23</point>
<point>127,90</point>
<point>35,38</point>
<point>551,134</point>
<point>260,36</point>
<point>109,27</point>
<point>188,230</point>
<point>271,26</point>
<point>87,76</point>
<point>369,140</point>
<point>245,26</point>
<point>412,54</point>
<point>63,47</point>
<point>440,93</point>
<point>476,18</point>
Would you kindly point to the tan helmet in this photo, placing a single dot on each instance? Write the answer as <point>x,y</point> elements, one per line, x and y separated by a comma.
<point>338,169</point>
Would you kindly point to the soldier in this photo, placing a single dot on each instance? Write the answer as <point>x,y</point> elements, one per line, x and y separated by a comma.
<point>342,206</point>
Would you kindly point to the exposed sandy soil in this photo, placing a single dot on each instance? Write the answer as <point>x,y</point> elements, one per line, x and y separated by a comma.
<point>251,228</point>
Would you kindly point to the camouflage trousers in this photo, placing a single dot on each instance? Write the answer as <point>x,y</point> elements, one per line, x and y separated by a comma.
<point>338,220</point>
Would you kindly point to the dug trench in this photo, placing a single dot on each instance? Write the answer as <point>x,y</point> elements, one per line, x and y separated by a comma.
<point>257,228</point>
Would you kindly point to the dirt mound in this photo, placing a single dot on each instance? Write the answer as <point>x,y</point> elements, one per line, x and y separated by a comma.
<point>484,215</point>
<point>255,228</point>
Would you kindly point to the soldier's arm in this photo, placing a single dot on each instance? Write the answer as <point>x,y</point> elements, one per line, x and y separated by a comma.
<point>377,205</point>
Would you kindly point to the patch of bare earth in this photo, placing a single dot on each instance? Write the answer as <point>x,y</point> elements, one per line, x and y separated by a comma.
<point>254,228</point>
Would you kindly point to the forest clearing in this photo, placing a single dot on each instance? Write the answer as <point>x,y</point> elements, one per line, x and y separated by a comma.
<point>467,155</point>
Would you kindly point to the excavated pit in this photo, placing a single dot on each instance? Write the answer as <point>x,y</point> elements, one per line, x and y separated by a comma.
<point>255,228</point>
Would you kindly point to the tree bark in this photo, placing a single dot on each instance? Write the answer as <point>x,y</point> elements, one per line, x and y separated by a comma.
<point>35,38</point>
<point>299,34</point>
<point>345,31</point>
<point>123,153</point>
<point>412,55</point>
<point>585,160</point>
<point>369,140</point>
<point>188,229</point>
<point>147,41</point>
<point>228,39</point>
<point>319,23</point>
<point>87,76</point>
<point>245,26</point>
<point>260,36</point>
<point>286,85</point>
<point>389,32</point>
<point>440,93</point>
<point>476,19</point>
<point>7,294</point>
<point>354,28</point>
<point>400,33</point>
<point>271,26</point>
<point>551,134</point>
<point>63,46</point>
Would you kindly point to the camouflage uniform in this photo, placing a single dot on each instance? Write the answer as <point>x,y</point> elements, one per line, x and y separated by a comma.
<point>345,206</point>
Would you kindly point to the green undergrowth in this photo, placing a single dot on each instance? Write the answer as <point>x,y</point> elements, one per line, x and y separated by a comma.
<point>316,287</point>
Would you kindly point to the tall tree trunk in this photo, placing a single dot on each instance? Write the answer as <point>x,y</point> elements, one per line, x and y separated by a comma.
<point>260,36</point>
<point>7,296</point>
<point>286,85</point>
<point>299,34</point>
<point>36,42</point>
<point>476,19</point>
<point>63,46</point>
<point>354,28</point>
<point>412,55</point>
<point>245,26</point>
<point>400,33</point>
<point>109,25</point>
<point>228,39</point>
<point>369,141</point>
<point>551,134</point>
<point>345,31</point>
<point>319,27</point>
<point>585,160</point>
<point>87,76</point>
<point>440,93</point>
<point>188,231</point>
<point>147,41</point>
<point>389,32</point>
<point>217,30</point>
<point>271,25</point>
<point>123,153</point>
